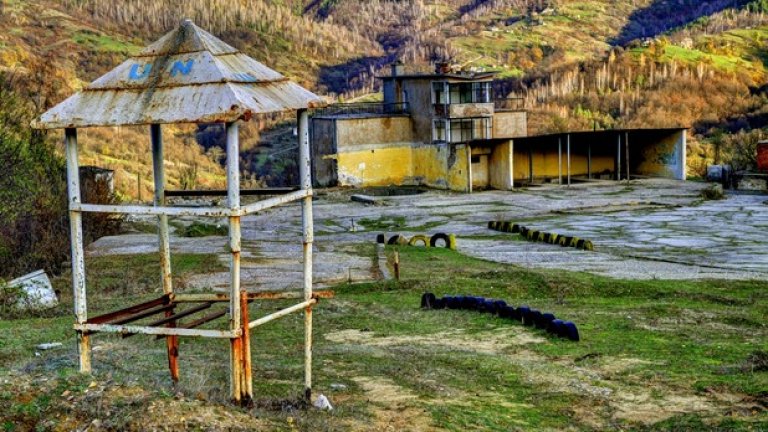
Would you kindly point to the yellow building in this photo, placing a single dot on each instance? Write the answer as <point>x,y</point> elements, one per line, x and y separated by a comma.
<point>445,130</point>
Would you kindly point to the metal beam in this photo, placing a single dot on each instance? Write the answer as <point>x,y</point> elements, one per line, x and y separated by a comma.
<point>560,160</point>
<point>166,331</point>
<point>150,210</point>
<point>305,177</point>
<point>268,295</point>
<point>281,313</point>
<point>233,202</point>
<point>76,242</point>
<point>158,169</point>
<point>111,316</point>
<point>223,192</point>
<point>274,202</point>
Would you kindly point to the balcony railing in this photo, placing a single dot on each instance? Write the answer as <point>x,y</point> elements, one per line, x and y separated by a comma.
<point>366,108</point>
<point>509,104</point>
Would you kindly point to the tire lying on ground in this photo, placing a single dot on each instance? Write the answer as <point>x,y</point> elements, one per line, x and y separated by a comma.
<point>580,244</point>
<point>528,317</point>
<point>515,228</point>
<point>492,225</point>
<point>506,226</point>
<point>555,327</point>
<point>524,231</point>
<point>522,311</point>
<point>588,246</point>
<point>381,239</point>
<point>449,239</point>
<point>439,304</point>
<point>570,331</point>
<point>419,239</point>
<point>428,301</point>
<point>544,320</point>
<point>532,235</point>
<point>542,237</point>
<point>498,305</point>
<point>565,241</point>
<point>574,241</point>
<point>506,312</point>
<point>397,240</point>
<point>554,238</point>
<point>515,314</point>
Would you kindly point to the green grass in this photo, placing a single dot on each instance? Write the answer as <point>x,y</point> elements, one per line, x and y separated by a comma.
<point>201,229</point>
<point>104,43</point>
<point>452,370</point>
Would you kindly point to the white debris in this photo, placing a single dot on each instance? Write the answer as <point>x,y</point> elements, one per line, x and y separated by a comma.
<point>47,346</point>
<point>37,291</point>
<point>323,403</point>
<point>336,386</point>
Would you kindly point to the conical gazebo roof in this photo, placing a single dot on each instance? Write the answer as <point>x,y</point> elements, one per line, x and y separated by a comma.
<point>187,76</point>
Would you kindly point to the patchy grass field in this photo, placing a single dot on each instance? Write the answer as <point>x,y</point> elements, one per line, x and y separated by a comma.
<point>655,355</point>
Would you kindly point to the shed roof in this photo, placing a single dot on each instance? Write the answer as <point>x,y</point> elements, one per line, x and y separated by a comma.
<point>187,76</point>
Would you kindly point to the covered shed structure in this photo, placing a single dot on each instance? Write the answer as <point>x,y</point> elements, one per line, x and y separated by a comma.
<point>188,76</point>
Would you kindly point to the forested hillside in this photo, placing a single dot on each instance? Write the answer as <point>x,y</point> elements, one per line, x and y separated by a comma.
<point>579,64</point>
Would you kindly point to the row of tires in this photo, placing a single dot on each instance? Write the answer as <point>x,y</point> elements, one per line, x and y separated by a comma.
<point>524,314</point>
<point>541,236</point>
<point>448,240</point>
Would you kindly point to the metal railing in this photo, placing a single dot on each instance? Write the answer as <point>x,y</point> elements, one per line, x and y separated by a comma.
<point>372,108</point>
<point>509,104</point>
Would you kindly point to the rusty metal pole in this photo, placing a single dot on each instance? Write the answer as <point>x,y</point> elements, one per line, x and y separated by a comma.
<point>589,160</point>
<point>158,171</point>
<point>78,258</point>
<point>396,266</point>
<point>233,202</point>
<point>308,238</point>
<point>247,386</point>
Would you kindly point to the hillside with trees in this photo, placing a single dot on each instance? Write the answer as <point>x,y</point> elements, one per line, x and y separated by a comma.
<point>579,64</point>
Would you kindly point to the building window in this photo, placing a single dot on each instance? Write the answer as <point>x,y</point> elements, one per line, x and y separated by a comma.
<point>438,93</point>
<point>482,92</point>
<point>463,130</point>
<point>438,131</point>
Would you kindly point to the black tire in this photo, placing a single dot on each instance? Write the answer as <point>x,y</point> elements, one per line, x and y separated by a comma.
<point>440,236</point>
<point>439,304</point>
<point>451,302</point>
<point>491,225</point>
<point>524,231</point>
<point>428,300</point>
<point>506,312</point>
<point>529,318</point>
<point>515,228</point>
<point>555,327</point>
<point>580,244</point>
<point>515,314</point>
<point>381,239</point>
<point>565,241</point>
<point>498,305</point>
<point>570,331</point>
<point>522,312</point>
<point>397,240</point>
<point>488,306</point>
<point>544,320</point>
<point>506,226</point>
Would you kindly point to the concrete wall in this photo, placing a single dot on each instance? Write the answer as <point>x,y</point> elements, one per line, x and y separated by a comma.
<point>419,97</point>
<point>501,163</point>
<point>470,110</point>
<point>323,147</point>
<point>355,133</point>
<point>658,155</point>
<point>510,124</point>
<point>384,166</point>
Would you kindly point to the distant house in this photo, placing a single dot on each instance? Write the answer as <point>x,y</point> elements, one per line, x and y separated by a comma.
<point>446,130</point>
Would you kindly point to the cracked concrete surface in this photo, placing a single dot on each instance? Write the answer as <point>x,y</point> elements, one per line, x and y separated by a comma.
<point>641,230</point>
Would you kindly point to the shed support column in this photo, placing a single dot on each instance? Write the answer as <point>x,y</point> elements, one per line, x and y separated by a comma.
<point>618,158</point>
<point>233,201</point>
<point>626,152</point>
<point>172,342</point>
<point>530,165</point>
<point>568,144</point>
<point>589,160</point>
<point>308,238</point>
<point>76,240</point>
<point>559,161</point>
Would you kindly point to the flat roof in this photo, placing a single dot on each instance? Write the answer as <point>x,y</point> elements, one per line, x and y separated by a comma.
<point>450,76</point>
<point>577,133</point>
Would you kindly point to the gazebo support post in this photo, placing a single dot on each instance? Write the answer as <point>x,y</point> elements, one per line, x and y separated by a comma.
<point>76,240</point>
<point>233,202</point>
<point>308,238</point>
<point>158,169</point>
